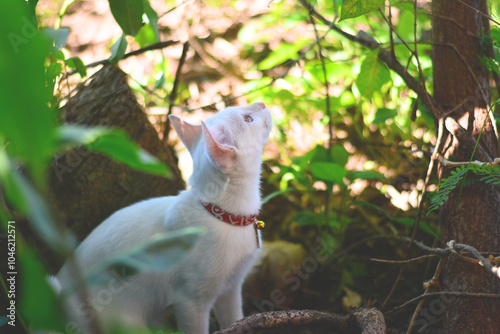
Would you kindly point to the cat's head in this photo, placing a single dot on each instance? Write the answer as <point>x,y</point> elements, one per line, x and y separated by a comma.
<point>230,142</point>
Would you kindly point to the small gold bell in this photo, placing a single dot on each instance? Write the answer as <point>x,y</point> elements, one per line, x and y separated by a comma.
<point>260,224</point>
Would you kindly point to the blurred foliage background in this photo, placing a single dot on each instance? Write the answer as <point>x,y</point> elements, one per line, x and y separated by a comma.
<point>344,168</point>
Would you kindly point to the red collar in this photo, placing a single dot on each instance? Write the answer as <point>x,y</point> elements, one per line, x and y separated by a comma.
<point>229,218</point>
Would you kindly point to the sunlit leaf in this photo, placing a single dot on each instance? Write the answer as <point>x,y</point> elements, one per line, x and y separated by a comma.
<point>128,14</point>
<point>372,76</point>
<point>146,36</point>
<point>355,8</point>
<point>153,18</point>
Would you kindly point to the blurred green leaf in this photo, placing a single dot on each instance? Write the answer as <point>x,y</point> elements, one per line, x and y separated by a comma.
<point>383,114</point>
<point>25,118</point>
<point>338,154</point>
<point>307,218</point>
<point>38,303</point>
<point>328,171</point>
<point>23,196</point>
<point>354,8</point>
<point>114,143</point>
<point>372,76</point>
<point>128,14</point>
<point>283,53</point>
<point>153,18</point>
<point>77,64</point>
<point>146,36</point>
<point>118,50</point>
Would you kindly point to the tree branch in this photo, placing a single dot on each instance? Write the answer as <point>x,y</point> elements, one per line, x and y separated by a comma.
<point>365,321</point>
<point>173,93</point>
<point>156,46</point>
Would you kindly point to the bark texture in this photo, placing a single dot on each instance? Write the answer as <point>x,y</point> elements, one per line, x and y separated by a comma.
<point>362,321</point>
<point>473,216</point>
<point>87,187</point>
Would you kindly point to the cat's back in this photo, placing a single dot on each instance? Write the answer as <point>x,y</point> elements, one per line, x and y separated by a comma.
<point>123,230</point>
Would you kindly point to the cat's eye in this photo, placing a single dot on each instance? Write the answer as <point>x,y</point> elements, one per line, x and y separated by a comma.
<point>247,118</point>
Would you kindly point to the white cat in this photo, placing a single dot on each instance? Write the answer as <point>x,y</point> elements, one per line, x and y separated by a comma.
<point>226,151</point>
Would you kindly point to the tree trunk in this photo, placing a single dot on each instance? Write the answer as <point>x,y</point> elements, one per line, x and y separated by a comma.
<point>470,216</point>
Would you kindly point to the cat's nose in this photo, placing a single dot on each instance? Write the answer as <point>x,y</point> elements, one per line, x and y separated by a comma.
<point>259,105</point>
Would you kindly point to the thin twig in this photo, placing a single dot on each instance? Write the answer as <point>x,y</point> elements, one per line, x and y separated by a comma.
<point>392,29</point>
<point>479,12</point>
<point>391,32</point>
<point>404,261</point>
<point>328,111</point>
<point>420,209</point>
<point>447,163</point>
<point>434,280</point>
<point>444,293</point>
<point>156,46</point>
<point>173,93</point>
<point>185,2</point>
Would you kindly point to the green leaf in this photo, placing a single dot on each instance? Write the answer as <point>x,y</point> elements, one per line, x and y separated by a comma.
<point>338,154</point>
<point>146,36</point>
<point>373,75</point>
<point>25,198</point>
<point>365,175</point>
<point>328,171</point>
<point>354,8</point>
<point>77,64</point>
<point>159,253</point>
<point>128,14</point>
<point>33,3</point>
<point>283,53</point>
<point>307,218</point>
<point>25,120</point>
<point>383,114</point>
<point>118,50</point>
<point>38,302</point>
<point>114,143</point>
<point>153,18</point>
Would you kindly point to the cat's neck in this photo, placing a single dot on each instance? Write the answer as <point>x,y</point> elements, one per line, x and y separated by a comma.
<point>237,195</point>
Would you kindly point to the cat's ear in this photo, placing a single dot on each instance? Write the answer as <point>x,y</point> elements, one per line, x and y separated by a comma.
<point>187,132</point>
<point>222,155</point>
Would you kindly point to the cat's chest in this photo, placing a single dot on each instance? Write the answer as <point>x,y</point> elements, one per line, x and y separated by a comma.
<point>235,247</point>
